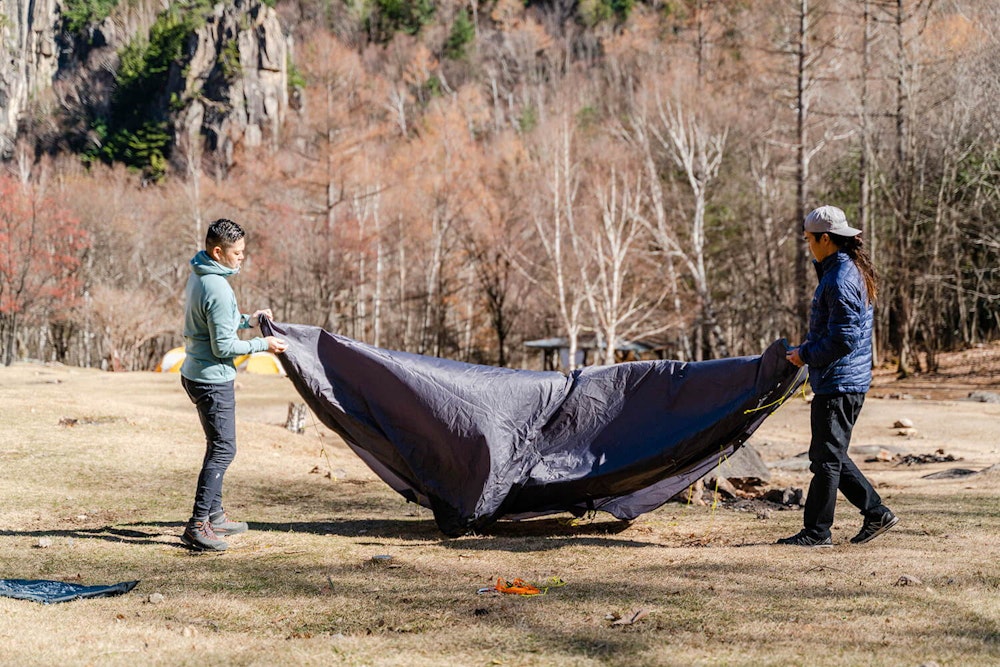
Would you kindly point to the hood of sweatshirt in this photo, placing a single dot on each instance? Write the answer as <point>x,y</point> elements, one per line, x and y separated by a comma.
<point>203,265</point>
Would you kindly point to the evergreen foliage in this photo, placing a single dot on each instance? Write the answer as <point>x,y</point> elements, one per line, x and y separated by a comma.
<point>388,17</point>
<point>229,60</point>
<point>597,11</point>
<point>78,14</point>
<point>136,131</point>
<point>462,33</point>
<point>296,79</point>
<point>528,119</point>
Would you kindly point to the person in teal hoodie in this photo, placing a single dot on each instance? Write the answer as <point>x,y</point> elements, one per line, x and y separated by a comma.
<point>211,321</point>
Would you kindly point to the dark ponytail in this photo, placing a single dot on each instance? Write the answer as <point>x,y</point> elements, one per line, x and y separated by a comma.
<point>855,249</point>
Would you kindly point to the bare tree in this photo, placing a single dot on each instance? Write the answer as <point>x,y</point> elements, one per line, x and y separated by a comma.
<point>638,134</point>
<point>555,223</point>
<point>698,151</point>
<point>622,304</point>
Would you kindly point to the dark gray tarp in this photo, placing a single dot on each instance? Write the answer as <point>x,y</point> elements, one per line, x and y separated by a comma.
<point>48,592</point>
<point>480,443</point>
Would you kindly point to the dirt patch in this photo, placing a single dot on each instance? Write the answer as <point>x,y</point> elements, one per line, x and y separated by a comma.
<point>958,375</point>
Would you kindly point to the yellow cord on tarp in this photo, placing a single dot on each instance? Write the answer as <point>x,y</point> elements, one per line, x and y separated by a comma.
<point>783,398</point>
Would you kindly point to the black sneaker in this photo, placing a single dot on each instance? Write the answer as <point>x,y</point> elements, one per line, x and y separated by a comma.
<point>199,536</point>
<point>223,525</point>
<point>872,529</point>
<point>804,539</point>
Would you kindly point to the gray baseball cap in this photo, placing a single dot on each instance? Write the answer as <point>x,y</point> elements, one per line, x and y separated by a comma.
<point>829,220</point>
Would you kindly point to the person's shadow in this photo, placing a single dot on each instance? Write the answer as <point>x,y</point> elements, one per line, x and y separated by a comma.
<point>529,535</point>
<point>534,534</point>
<point>116,534</point>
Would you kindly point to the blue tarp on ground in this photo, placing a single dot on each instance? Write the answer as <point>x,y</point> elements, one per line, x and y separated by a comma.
<point>479,443</point>
<point>48,592</point>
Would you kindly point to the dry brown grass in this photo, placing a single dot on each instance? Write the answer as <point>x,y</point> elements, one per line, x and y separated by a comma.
<point>301,587</point>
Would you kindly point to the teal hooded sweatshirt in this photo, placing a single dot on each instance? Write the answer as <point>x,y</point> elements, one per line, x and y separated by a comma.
<point>211,320</point>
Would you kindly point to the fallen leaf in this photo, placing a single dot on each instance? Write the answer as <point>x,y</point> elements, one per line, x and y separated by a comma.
<point>630,619</point>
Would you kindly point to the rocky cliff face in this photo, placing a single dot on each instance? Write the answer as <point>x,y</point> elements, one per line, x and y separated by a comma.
<point>247,110</point>
<point>45,69</point>
<point>28,59</point>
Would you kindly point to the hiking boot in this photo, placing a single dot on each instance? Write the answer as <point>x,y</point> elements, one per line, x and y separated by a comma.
<point>872,529</point>
<point>223,525</point>
<point>199,536</point>
<point>804,539</point>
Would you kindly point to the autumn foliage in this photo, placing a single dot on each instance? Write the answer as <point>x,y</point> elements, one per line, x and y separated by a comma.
<point>460,178</point>
<point>41,247</point>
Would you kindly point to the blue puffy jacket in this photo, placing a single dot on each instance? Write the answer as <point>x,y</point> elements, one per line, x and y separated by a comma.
<point>838,348</point>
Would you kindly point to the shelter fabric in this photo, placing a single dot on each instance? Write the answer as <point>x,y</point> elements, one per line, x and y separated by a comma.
<point>480,443</point>
<point>49,592</point>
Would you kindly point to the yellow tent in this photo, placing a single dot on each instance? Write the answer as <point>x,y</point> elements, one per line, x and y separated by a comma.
<point>262,363</point>
<point>171,362</point>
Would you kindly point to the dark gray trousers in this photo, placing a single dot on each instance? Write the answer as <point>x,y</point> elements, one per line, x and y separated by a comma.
<point>216,405</point>
<point>833,417</point>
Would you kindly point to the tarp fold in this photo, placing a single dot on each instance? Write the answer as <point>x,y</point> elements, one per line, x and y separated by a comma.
<point>50,592</point>
<point>479,443</point>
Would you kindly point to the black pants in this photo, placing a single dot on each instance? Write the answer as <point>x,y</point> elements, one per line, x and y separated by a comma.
<point>216,405</point>
<point>833,418</point>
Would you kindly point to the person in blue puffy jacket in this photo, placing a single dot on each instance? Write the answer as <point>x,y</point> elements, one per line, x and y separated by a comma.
<point>838,352</point>
<point>211,321</point>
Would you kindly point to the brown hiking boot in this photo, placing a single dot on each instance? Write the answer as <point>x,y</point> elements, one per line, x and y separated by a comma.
<point>224,526</point>
<point>199,536</point>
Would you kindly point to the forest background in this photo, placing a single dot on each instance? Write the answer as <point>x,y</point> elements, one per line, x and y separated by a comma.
<point>456,177</point>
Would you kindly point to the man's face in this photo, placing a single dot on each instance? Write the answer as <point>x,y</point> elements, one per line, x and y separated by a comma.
<point>231,257</point>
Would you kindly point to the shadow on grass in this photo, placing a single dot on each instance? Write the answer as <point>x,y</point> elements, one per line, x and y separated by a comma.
<point>106,533</point>
<point>533,535</point>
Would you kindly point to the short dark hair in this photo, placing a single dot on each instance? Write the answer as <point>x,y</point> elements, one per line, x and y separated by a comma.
<point>223,233</point>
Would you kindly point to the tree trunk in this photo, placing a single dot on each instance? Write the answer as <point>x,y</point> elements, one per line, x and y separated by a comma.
<point>802,291</point>
<point>864,165</point>
<point>296,421</point>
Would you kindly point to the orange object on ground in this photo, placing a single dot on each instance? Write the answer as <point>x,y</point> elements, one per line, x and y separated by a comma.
<point>517,587</point>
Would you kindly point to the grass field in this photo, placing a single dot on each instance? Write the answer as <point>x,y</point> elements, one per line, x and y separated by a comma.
<point>104,500</point>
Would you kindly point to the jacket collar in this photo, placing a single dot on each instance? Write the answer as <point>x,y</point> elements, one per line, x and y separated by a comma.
<point>828,262</point>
